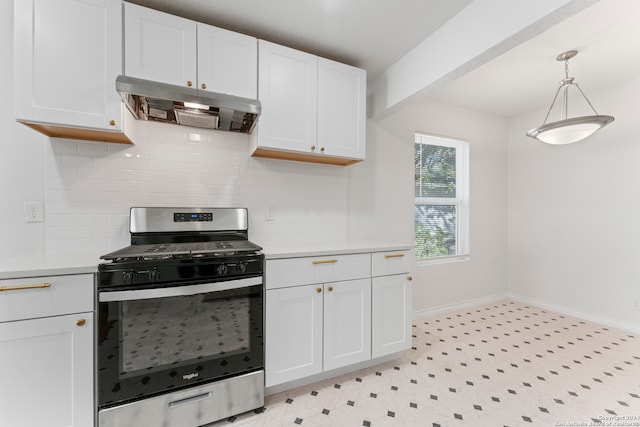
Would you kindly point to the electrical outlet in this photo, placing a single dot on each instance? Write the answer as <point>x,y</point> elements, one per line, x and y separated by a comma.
<point>268,213</point>
<point>33,211</point>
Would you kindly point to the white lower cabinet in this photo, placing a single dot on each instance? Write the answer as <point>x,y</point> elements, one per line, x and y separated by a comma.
<point>316,328</point>
<point>293,333</point>
<point>46,363</point>
<point>324,313</point>
<point>347,323</point>
<point>391,321</point>
<point>391,284</point>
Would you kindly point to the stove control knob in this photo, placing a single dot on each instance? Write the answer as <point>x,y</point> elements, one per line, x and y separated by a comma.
<point>242,267</point>
<point>127,277</point>
<point>154,275</point>
<point>222,270</point>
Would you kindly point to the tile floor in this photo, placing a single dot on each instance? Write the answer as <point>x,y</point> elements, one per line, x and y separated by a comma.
<point>500,364</point>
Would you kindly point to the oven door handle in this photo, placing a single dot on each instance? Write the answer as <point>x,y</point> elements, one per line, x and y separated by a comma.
<point>174,291</point>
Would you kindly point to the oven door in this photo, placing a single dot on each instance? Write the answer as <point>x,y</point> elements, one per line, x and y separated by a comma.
<point>154,340</point>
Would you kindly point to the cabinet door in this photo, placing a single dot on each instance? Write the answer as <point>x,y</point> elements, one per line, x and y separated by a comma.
<point>67,55</point>
<point>287,88</point>
<point>341,109</point>
<point>347,323</point>
<point>227,62</point>
<point>159,46</point>
<point>391,314</point>
<point>46,366</point>
<point>293,333</point>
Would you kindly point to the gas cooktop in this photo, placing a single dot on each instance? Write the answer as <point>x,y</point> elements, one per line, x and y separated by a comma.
<point>183,250</point>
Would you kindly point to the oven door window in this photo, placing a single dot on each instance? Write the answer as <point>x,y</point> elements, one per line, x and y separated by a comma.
<point>175,331</point>
<point>147,346</point>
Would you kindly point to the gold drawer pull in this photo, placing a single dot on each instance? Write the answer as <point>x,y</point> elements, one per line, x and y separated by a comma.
<point>409,278</point>
<point>81,322</point>
<point>394,256</point>
<point>19,288</point>
<point>330,288</point>
<point>325,261</point>
<point>318,290</point>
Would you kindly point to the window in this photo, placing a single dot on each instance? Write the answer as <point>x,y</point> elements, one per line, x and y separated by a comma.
<point>441,197</point>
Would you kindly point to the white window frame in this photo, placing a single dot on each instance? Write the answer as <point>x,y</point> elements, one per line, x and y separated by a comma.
<point>461,201</point>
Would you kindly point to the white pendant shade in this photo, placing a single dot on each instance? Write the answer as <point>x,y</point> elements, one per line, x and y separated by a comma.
<point>570,130</point>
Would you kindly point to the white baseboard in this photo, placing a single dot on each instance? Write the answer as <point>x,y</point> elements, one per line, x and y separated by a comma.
<point>570,311</point>
<point>330,374</point>
<point>460,305</point>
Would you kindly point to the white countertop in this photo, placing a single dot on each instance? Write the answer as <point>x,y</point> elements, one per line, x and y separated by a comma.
<point>324,249</point>
<point>49,264</point>
<point>54,264</point>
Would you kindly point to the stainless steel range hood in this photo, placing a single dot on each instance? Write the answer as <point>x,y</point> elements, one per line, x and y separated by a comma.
<point>148,100</point>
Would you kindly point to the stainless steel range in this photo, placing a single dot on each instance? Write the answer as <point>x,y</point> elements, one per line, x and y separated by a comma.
<point>180,330</point>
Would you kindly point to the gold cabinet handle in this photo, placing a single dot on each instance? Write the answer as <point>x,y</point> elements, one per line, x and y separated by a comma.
<point>409,278</point>
<point>330,288</point>
<point>189,83</point>
<point>112,122</point>
<point>204,85</point>
<point>325,261</point>
<point>322,149</point>
<point>394,256</point>
<point>313,148</point>
<point>20,288</point>
<point>81,322</point>
<point>318,290</point>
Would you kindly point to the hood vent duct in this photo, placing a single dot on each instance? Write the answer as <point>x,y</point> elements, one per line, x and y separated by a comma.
<point>161,102</point>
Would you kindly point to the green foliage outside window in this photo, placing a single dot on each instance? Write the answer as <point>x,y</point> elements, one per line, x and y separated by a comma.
<point>435,178</point>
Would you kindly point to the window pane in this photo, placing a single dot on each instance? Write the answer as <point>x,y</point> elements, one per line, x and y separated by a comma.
<point>435,230</point>
<point>435,171</point>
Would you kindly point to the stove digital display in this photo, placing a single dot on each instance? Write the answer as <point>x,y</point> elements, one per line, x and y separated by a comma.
<point>193,217</point>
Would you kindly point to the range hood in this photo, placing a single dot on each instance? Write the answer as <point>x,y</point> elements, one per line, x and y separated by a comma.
<point>149,100</point>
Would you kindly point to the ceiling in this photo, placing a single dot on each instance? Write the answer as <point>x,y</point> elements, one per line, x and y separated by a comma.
<point>374,35</point>
<point>363,33</point>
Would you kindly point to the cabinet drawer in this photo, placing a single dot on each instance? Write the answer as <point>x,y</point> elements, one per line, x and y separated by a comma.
<point>394,262</point>
<point>45,296</point>
<point>282,273</point>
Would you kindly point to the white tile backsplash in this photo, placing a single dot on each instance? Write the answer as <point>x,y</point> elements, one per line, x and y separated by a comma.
<point>90,187</point>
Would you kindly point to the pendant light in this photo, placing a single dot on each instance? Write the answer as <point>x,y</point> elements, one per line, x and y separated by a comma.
<point>566,130</point>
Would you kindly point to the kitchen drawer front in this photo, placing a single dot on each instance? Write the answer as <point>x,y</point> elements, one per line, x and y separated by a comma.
<point>45,296</point>
<point>282,273</point>
<point>392,262</point>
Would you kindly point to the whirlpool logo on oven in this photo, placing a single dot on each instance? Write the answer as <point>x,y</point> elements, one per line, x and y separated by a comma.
<point>190,376</point>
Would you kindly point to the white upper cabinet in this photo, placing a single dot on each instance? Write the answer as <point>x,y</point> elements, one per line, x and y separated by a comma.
<point>289,96</point>
<point>341,109</point>
<point>227,62</point>
<point>159,46</point>
<point>314,109</point>
<point>67,55</point>
<point>178,51</point>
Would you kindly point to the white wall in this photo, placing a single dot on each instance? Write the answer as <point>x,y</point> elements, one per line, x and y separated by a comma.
<point>381,198</point>
<point>574,212</point>
<point>88,187</point>
<point>21,158</point>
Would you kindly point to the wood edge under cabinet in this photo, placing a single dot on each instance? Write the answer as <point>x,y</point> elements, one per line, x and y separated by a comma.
<point>303,157</point>
<point>55,131</point>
